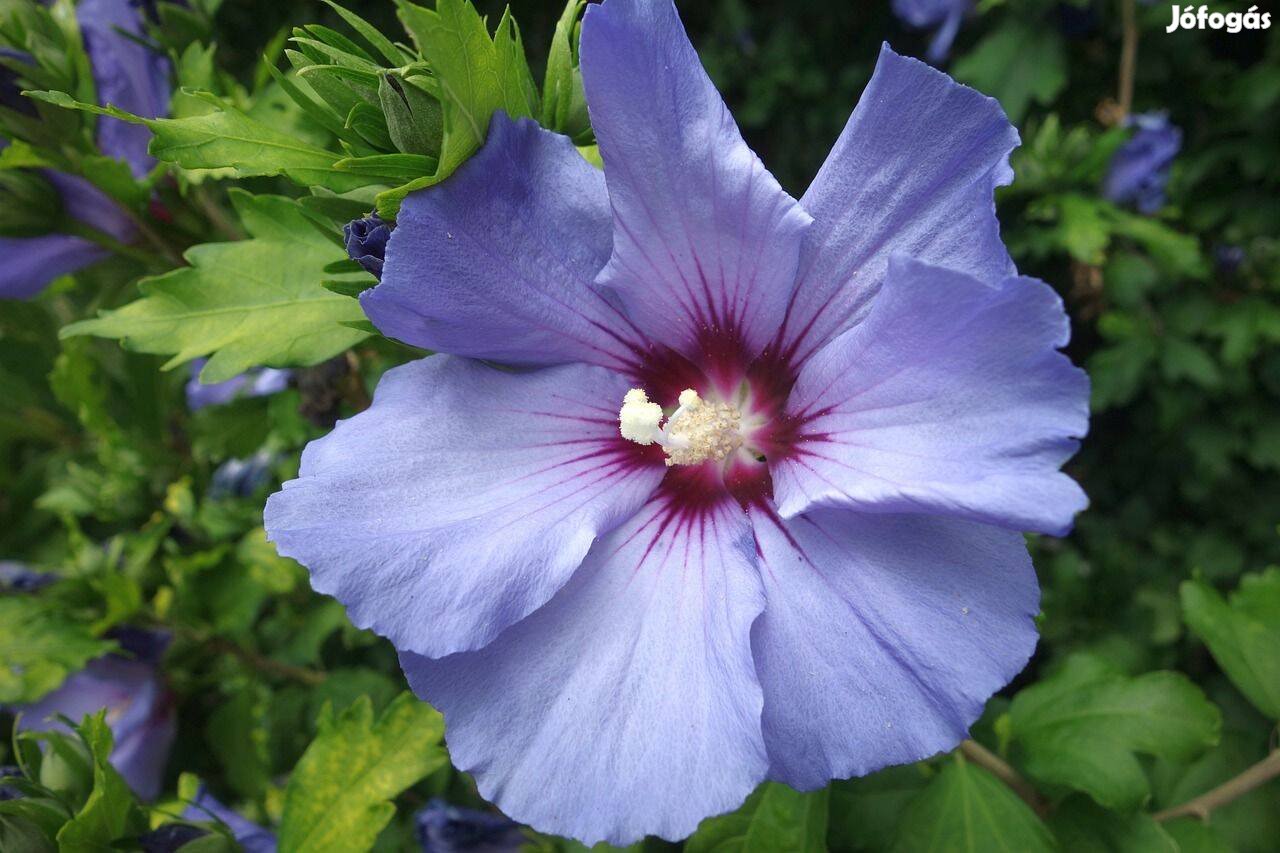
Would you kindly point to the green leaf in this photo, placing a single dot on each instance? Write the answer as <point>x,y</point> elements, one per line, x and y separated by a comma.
<point>866,811</point>
<point>967,810</point>
<point>389,167</point>
<point>774,817</point>
<point>1082,826</point>
<point>1019,64</point>
<point>110,812</point>
<point>1243,822</point>
<point>1190,835</point>
<point>1183,359</point>
<point>247,303</point>
<point>1243,635</point>
<point>564,102</point>
<point>476,73</point>
<point>1083,229</point>
<point>228,138</point>
<point>237,736</point>
<point>1083,726</point>
<point>1176,252</point>
<point>40,645</point>
<point>338,796</point>
<point>414,118</point>
<point>376,39</point>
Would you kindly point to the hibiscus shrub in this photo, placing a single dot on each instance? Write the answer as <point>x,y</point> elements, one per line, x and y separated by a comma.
<point>428,431</point>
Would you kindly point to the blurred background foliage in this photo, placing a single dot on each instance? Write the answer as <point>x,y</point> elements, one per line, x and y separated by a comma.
<point>119,485</point>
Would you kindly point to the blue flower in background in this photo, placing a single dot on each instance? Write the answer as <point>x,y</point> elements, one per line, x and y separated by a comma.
<point>443,828</point>
<point>259,382</point>
<point>10,92</point>
<point>139,707</point>
<point>242,477</point>
<point>367,242</point>
<point>19,577</point>
<point>205,808</point>
<point>7,792</point>
<point>1140,168</point>
<point>1229,258</point>
<point>130,76</point>
<point>795,551</point>
<point>941,16</point>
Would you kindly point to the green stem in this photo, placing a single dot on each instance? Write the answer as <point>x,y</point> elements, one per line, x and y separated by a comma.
<point>1002,770</point>
<point>1203,806</point>
<point>148,259</point>
<point>217,217</point>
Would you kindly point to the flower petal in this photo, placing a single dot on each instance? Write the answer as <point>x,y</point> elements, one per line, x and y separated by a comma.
<point>92,206</point>
<point>462,500</point>
<point>950,397</point>
<point>628,705</point>
<point>883,637</point>
<point>913,172</point>
<point>128,75</point>
<point>705,241</point>
<point>30,263</point>
<point>497,261</point>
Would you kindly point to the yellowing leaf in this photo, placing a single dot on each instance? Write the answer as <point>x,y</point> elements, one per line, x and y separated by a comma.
<point>338,798</point>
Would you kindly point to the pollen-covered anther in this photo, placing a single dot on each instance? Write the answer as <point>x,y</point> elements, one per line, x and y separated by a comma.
<point>697,431</point>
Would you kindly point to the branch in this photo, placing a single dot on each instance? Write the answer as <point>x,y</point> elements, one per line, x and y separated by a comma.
<point>267,665</point>
<point>1203,805</point>
<point>261,663</point>
<point>1128,57</point>
<point>1002,770</point>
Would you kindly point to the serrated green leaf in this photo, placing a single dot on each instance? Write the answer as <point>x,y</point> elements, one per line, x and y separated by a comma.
<point>110,812</point>
<point>1243,634</point>
<point>477,74</point>
<point>228,138</point>
<point>376,39</point>
<point>338,797</point>
<point>249,303</point>
<point>774,817</point>
<point>1084,726</point>
<point>40,645</point>
<point>967,810</point>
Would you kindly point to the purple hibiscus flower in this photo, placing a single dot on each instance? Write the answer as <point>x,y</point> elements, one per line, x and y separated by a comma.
<point>815,567</point>
<point>132,77</point>
<point>252,383</point>
<point>139,707</point>
<point>941,16</point>
<point>1140,168</point>
<point>443,828</point>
